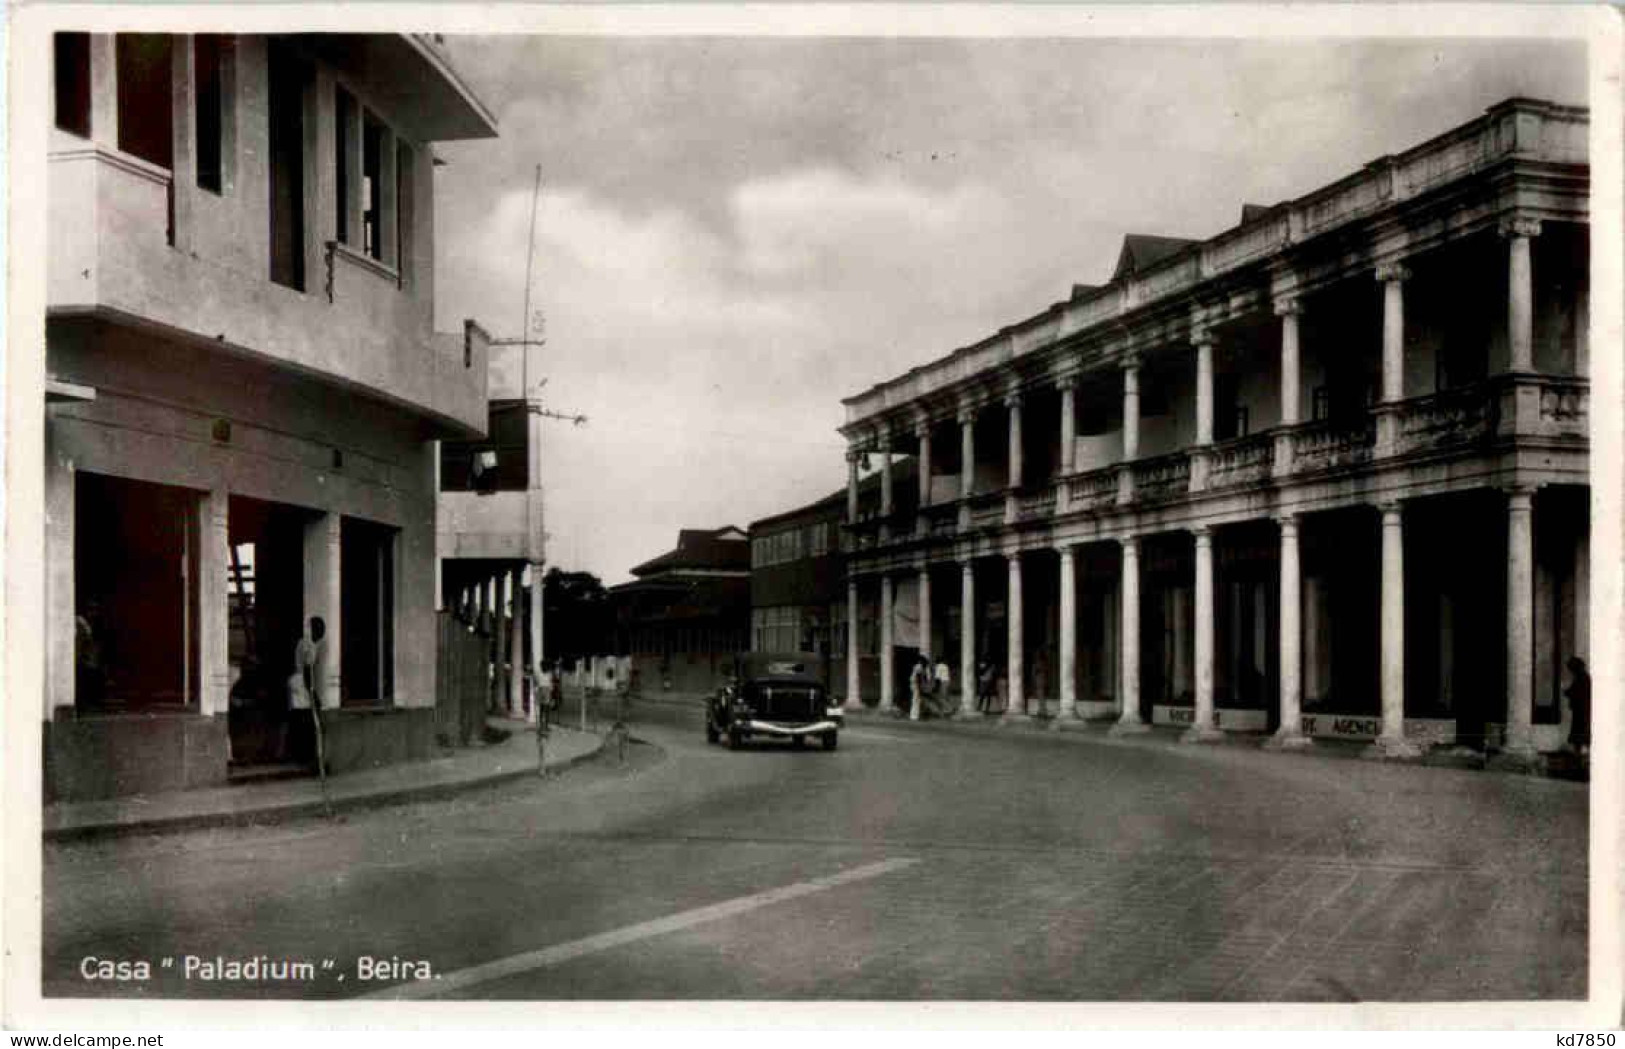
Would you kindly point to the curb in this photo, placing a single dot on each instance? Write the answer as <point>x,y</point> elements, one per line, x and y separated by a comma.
<point>275,814</point>
<point>1091,731</point>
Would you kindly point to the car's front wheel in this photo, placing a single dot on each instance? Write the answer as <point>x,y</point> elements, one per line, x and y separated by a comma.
<point>736,739</point>
<point>829,740</point>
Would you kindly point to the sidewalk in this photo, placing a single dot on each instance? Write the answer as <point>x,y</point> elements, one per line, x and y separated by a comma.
<point>1552,766</point>
<point>455,770</point>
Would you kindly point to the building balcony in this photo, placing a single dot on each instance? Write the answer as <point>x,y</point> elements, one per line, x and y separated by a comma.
<point>355,325</point>
<point>505,526</point>
<point>1501,411</point>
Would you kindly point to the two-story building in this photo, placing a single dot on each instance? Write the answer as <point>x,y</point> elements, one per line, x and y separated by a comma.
<point>244,392</point>
<point>687,612</point>
<point>1324,473</point>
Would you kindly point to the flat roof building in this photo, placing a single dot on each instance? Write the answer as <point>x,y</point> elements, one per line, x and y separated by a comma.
<point>244,392</point>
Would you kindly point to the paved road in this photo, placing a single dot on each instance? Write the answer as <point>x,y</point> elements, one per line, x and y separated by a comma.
<point>911,863</point>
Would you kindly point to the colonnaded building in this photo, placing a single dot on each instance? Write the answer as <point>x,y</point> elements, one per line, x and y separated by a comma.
<point>244,390</point>
<point>1324,474</point>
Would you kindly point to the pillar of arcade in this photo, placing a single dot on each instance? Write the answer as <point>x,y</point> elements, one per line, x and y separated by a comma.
<point>1129,719</point>
<point>1067,384</point>
<point>1393,276</point>
<point>1015,668</point>
<point>967,461</point>
<point>1202,339</point>
<point>1392,742</point>
<point>1289,310</point>
<point>914,710</point>
<point>922,431</point>
<point>854,688</point>
<point>1519,743</point>
<point>967,636</point>
<point>1289,736</point>
<point>888,694</point>
<point>1012,401</point>
<point>1205,728</point>
<point>1519,232</point>
<point>1069,631</point>
<point>1131,429</point>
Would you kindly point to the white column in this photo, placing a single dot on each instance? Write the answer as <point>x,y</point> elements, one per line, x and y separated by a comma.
<point>925,633</point>
<point>1013,479</point>
<point>1520,292</point>
<point>885,476</point>
<point>1129,719</point>
<point>1069,631</point>
<point>854,687</point>
<point>61,612</point>
<point>1289,311</point>
<point>1393,277</point>
<point>1520,741</point>
<point>967,462</point>
<point>887,690</point>
<point>851,488</point>
<point>1017,704</point>
<point>1204,728</point>
<point>183,139</point>
<point>538,657</point>
<point>214,601</point>
<point>1392,742</point>
<point>104,89</point>
<point>924,462</point>
<point>1131,409</point>
<point>967,637</point>
<point>1203,340</point>
<point>322,596</point>
<point>1131,429</point>
<point>1290,732</point>
<point>1069,423</point>
<point>499,640</point>
<point>516,645</point>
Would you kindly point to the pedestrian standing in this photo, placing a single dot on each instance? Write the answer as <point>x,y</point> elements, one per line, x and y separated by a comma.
<point>1579,693</point>
<point>986,685</point>
<point>920,685</point>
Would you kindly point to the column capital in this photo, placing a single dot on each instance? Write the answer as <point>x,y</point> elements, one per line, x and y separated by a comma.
<point>1392,510</point>
<point>1203,336</point>
<point>1131,361</point>
<point>1391,272</point>
<point>883,440</point>
<point>1129,543</point>
<point>1066,550</point>
<point>967,563</point>
<point>965,414</point>
<point>1287,306</point>
<point>922,423</point>
<point>1289,520</point>
<point>1067,379</point>
<point>1012,397</point>
<point>1519,226</point>
<point>853,455</point>
<point>1520,496</point>
<point>1202,533</point>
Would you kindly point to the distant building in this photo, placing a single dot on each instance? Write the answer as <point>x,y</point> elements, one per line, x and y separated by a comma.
<point>687,611</point>
<point>1323,474</point>
<point>243,394</point>
<point>798,592</point>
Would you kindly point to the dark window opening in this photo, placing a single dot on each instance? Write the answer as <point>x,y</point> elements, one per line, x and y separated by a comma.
<point>286,117</point>
<point>210,103</point>
<point>72,73</point>
<point>145,99</point>
<point>366,612</point>
<point>135,595</point>
<point>500,463</point>
<point>372,160</point>
<point>343,129</point>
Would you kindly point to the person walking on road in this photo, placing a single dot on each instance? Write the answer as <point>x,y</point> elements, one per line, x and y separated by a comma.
<point>921,685</point>
<point>1579,693</point>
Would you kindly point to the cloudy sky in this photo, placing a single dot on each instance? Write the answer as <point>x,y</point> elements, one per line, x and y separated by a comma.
<point>736,233</point>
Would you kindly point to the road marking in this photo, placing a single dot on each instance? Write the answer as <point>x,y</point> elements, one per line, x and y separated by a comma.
<point>564,952</point>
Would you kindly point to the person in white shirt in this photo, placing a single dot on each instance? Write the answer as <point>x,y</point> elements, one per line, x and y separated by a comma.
<point>304,689</point>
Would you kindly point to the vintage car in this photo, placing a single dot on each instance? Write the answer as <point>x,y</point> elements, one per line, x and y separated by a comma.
<point>774,695</point>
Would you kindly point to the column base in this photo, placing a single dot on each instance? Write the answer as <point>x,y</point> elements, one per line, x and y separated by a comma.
<point>1283,740</point>
<point>1201,734</point>
<point>1392,748</point>
<point>1516,757</point>
<point>1134,727</point>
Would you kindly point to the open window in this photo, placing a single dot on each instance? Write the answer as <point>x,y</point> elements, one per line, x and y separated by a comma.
<point>71,71</point>
<point>500,463</point>
<point>146,124</point>
<point>287,80</point>
<point>212,101</point>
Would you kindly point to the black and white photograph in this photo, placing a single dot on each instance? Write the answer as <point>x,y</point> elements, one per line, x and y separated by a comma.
<point>1051,505</point>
